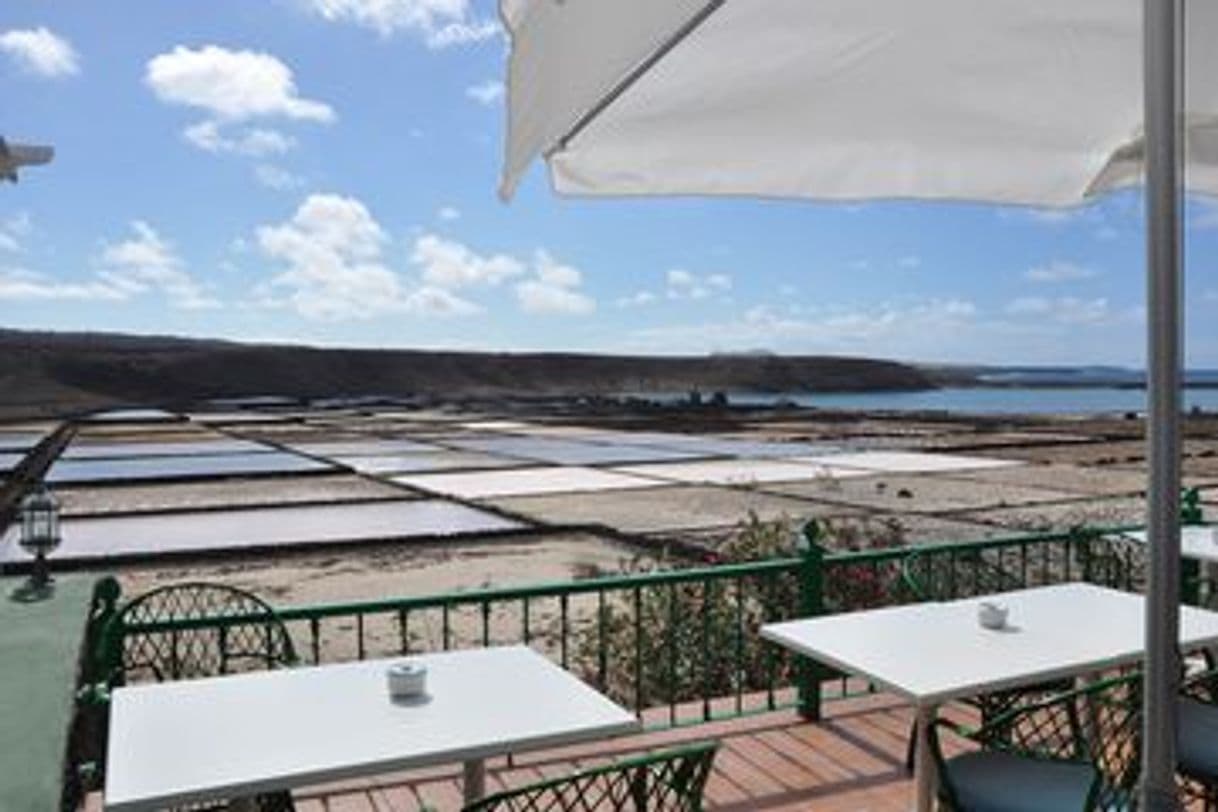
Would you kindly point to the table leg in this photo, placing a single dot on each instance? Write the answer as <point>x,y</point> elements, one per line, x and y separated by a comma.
<point>924,764</point>
<point>474,780</point>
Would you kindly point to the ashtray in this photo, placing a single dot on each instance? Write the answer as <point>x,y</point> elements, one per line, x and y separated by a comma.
<point>992,615</point>
<point>407,679</point>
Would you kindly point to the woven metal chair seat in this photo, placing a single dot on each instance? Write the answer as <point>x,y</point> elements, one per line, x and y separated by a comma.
<point>1074,751</point>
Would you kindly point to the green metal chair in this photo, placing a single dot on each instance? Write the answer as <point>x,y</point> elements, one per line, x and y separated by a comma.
<point>193,630</point>
<point>1197,739</point>
<point>1075,752</point>
<point>934,575</point>
<point>667,781</point>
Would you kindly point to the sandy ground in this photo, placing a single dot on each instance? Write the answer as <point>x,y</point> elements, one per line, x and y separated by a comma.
<point>403,570</point>
<point>385,572</point>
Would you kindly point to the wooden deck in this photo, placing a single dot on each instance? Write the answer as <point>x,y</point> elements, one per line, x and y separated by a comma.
<point>852,761</point>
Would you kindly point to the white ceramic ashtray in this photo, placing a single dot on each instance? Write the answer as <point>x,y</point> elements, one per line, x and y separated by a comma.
<point>406,679</point>
<point>992,615</point>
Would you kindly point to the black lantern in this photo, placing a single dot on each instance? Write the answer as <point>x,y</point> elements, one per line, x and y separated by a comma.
<point>39,532</point>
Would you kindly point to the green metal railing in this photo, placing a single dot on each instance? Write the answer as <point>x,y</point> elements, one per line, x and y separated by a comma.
<point>683,644</point>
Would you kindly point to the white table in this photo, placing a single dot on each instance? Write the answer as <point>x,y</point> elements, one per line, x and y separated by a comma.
<point>235,736</point>
<point>1198,543</point>
<point>934,652</point>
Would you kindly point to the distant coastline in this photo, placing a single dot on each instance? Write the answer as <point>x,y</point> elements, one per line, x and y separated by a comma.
<point>59,374</point>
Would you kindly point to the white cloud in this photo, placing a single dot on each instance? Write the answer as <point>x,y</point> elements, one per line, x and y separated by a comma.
<point>440,23</point>
<point>682,284</point>
<point>254,141</point>
<point>1065,309</point>
<point>554,290</point>
<point>14,230</point>
<point>1053,216</point>
<point>333,251</point>
<point>486,93</point>
<point>231,85</point>
<point>640,298</point>
<point>20,285</point>
<point>40,51</point>
<point>909,262</point>
<point>432,301</point>
<point>449,213</point>
<point>277,178</point>
<point>147,262</point>
<point>1059,271</point>
<point>144,263</point>
<point>450,264</point>
<point>890,329</point>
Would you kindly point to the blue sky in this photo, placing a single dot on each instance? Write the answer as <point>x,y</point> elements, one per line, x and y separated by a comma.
<point>324,171</point>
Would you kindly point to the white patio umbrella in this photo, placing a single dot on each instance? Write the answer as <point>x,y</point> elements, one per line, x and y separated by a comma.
<point>1038,102</point>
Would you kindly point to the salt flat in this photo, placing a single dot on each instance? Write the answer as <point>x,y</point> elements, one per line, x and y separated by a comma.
<point>908,461</point>
<point>519,482</point>
<point>740,472</point>
<point>259,528</point>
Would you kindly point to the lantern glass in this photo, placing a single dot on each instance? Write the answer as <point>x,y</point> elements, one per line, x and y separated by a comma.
<point>40,522</point>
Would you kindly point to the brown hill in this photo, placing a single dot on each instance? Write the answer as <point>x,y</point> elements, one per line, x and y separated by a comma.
<point>57,373</point>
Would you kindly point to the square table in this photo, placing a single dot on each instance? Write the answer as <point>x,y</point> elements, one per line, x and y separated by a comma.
<point>1197,542</point>
<point>234,736</point>
<point>931,653</point>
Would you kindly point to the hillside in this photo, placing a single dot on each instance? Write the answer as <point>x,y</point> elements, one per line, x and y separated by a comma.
<point>44,373</point>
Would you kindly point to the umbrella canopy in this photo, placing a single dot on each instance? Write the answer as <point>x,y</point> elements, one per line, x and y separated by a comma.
<point>1012,101</point>
<point>1041,102</point>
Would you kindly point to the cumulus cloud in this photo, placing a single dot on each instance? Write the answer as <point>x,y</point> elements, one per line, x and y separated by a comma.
<point>554,289</point>
<point>147,262</point>
<point>451,264</point>
<point>144,263</point>
<point>253,141</point>
<point>231,85</point>
<point>682,284</point>
<point>1059,271</point>
<point>40,51</point>
<point>333,252</point>
<point>449,213</point>
<point>486,93</point>
<point>439,23</point>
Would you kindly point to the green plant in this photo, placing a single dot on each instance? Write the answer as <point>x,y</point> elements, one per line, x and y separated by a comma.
<point>680,642</point>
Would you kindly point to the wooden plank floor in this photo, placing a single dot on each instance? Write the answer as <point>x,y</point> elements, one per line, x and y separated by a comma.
<point>852,761</point>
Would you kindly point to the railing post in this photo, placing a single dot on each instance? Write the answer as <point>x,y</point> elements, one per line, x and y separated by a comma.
<point>103,644</point>
<point>1190,568</point>
<point>811,603</point>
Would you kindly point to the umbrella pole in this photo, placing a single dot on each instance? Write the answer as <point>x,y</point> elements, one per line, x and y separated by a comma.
<point>1162,24</point>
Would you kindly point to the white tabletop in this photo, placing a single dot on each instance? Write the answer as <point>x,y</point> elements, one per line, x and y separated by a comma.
<point>179,742</point>
<point>933,652</point>
<point>1200,543</point>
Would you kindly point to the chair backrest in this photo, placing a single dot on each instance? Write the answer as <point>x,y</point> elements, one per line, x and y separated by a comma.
<point>191,630</point>
<point>668,781</point>
<point>1100,723</point>
<point>941,575</point>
